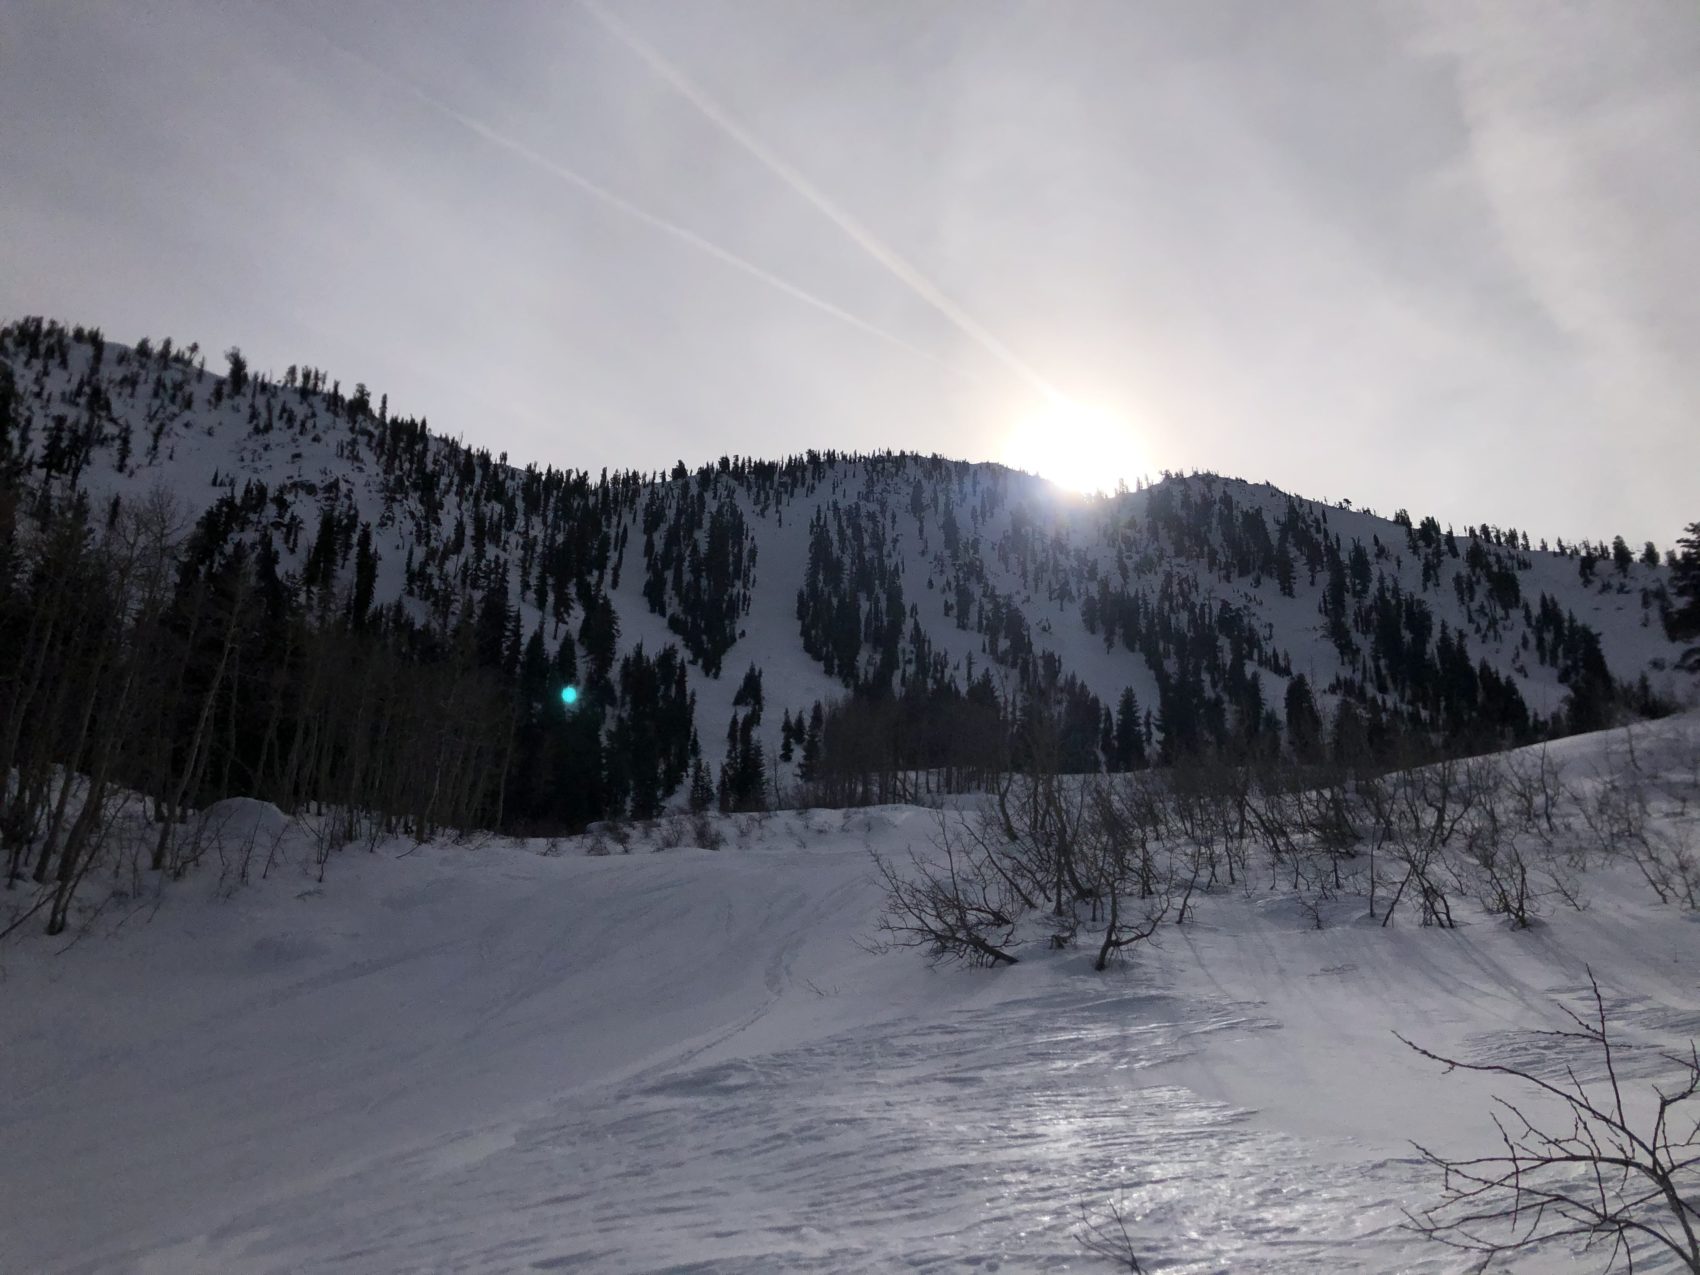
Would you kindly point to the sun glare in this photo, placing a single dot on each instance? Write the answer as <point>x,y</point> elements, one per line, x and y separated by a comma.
<point>1084,449</point>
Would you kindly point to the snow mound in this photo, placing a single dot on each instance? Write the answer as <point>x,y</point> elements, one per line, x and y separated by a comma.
<point>243,821</point>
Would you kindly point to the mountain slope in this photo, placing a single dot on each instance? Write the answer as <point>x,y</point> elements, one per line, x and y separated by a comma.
<point>913,579</point>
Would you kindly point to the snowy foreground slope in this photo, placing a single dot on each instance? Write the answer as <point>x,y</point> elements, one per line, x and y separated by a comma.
<point>517,1056</point>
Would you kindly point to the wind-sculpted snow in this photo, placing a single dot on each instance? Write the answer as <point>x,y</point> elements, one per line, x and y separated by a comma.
<point>513,1057</point>
<point>930,1146</point>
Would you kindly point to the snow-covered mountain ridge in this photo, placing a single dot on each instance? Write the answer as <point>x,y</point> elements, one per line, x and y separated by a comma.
<point>1196,602</point>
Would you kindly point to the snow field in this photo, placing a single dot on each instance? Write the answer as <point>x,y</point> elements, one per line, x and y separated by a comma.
<point>511,1057</point>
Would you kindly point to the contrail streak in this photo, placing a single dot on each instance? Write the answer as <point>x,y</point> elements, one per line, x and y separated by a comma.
<point>619,202</point>
<point>859,234</point>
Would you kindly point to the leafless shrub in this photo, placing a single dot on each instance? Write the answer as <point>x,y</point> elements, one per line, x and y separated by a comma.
<point>1504,876</point>
<point>1278,818</point>
<point>234,856</point>
<point>667,834</point>
<point>1424,812</point>
<point>747,825</point>
<point>330,832</point>
<point>373,828</point>
<point>1614,815</point>
<point>1532,852</point>
<point>1504,886</point>
<point>271,856</point>
<point>1039,822</point>
<point>1331,817</point>
<point>706,832</point>
<point>1670,864</point>
<point>1130,893</point>
<point>1377,798</point>
<point>1211,819</point>
<point>1103,1233</point>
<point>1679,777</point>
<point>954,905</point>
<point>1536,795</point>
<point>1314,884</point>
<point>1620,821</point>
<point>1603,1179</point>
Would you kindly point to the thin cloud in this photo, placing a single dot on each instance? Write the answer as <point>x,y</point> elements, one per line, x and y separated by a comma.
<point>621,204</point>
<point>859,234</point>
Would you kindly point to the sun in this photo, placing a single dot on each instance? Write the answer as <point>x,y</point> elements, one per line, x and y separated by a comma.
<point>1085,449</point>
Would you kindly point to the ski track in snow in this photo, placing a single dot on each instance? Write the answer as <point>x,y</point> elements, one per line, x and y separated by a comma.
<point>493,1060</point>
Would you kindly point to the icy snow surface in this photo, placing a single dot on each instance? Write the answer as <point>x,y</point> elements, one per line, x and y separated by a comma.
<point>516,1057</point>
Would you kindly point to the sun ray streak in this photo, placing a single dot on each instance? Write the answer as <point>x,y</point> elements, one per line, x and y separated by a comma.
<point>901,269</point>
<point>613,199</point>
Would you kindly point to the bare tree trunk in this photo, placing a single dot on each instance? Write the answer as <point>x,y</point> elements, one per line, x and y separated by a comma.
<point>192,767</point>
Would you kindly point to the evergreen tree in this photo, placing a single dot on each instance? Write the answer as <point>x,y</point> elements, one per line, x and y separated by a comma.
<point>365,579</point>
<point>1622,555</point>
<point>9,422</point>
<point>701,795</point>
<point>1682,623</point>
<point>1129,737</point>
<point>492,627</point>
<point>237,379</point>
<point>1304,723</point>
<point>1350,744</point>
<point>599,633</point>
<point>320,568</point>
<point>807,768</point>
<point>749,693</point>
<point>565,664</point>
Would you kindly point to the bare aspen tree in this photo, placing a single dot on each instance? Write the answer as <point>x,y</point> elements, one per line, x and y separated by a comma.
<point>194,764</point>
<point>1127,885</point>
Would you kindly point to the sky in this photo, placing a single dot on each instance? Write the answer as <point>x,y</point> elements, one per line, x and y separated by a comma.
<point>1439,256</point>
